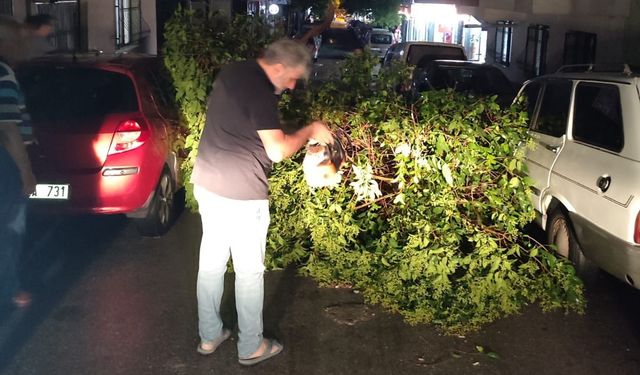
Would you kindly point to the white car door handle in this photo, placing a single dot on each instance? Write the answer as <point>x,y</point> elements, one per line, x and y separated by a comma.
<point>603,183</point>
<point>551,148</point>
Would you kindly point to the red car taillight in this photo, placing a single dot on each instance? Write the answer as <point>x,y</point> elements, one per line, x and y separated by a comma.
<point>128,136</point>
<point>636,231</point>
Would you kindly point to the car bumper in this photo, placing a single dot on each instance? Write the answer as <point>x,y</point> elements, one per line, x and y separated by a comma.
<point>97,192</point>
<point>614,255</point>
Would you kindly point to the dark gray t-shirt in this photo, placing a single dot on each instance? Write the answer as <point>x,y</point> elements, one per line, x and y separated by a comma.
<point>232,161</point>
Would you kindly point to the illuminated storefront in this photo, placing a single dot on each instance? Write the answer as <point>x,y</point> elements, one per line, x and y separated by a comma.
<point>442,23</point>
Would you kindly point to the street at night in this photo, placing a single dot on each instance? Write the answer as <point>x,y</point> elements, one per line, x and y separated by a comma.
<point>386,154</point>
<point>107,301</point>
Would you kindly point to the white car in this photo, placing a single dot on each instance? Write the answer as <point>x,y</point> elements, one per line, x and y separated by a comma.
<point>379,42</point>
<point>586,166</point>
<point>335,44</point>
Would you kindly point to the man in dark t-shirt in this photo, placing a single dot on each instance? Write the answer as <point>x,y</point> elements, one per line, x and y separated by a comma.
<point>241,139</point>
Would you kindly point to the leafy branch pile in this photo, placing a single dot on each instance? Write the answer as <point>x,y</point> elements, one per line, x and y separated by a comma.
<point>427,219</point>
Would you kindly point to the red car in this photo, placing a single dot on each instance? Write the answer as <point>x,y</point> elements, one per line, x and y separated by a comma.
<point>104,131</point>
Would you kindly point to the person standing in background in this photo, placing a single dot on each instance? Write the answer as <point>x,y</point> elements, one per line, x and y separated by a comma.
<point>17,181</point>
<point>39,28</point>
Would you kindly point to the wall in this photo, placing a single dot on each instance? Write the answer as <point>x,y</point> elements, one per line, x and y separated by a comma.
<point>149,27</point>
<point>223,6</point>
<point>607,19</point>
<point>100,25</point>
<point>20,9</point>
<point>632,35</point>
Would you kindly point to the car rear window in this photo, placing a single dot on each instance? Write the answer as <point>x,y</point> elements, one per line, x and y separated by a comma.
<point>422,54</point>
<point>381,39</point>
<point>597,116</point>
<point>54,94</point>
<point>480,80</point>
<point>338,44</point>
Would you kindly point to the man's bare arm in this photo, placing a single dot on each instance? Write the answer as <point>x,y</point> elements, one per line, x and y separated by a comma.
<point>280,145</point>
<point>11,140</point>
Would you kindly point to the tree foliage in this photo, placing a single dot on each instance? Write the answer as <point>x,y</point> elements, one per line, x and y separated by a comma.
<point>383,12</point>
<point>317,7</point>
<point>427,218</point>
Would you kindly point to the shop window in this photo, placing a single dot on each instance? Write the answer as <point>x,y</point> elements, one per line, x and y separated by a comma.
<point>128,22</point>
<point>66,33</point>
<point>579,48</point>
<point>474,40</point>
<point>535,54</point>
<point>504,36</point>
<point>6,7</point>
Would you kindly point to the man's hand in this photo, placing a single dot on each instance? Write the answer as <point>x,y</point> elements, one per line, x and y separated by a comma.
<point>280,146</point>
<point>11,140</point>
<point>28,183</point>
<point>320,133</point>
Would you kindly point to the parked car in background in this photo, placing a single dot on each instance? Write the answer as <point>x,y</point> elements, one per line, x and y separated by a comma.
<point>463,76</point>
<point>379,42</point>
<point>104,129</point>
<point>420,53</point>
<point>334,45</point>
<point>586,166</point>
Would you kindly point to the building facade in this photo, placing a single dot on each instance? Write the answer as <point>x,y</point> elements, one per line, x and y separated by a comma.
<point>108,26</point>
<point>525,37</point>
<point>532,37</point>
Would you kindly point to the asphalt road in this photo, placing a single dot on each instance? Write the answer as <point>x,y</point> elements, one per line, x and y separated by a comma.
<point>110,302</point>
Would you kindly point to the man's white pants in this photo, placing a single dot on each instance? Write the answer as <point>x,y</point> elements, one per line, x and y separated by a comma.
<point>238,229</point>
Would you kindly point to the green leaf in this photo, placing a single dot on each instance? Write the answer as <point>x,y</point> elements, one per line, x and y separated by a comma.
<point>514,182</point>
<point>441,145</point>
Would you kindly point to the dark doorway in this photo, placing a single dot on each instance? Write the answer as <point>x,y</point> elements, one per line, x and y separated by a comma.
<point>579,48</point>
<point>535,57</point>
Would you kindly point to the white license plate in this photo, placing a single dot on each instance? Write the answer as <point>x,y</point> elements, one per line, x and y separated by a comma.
<point>51,191</point>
